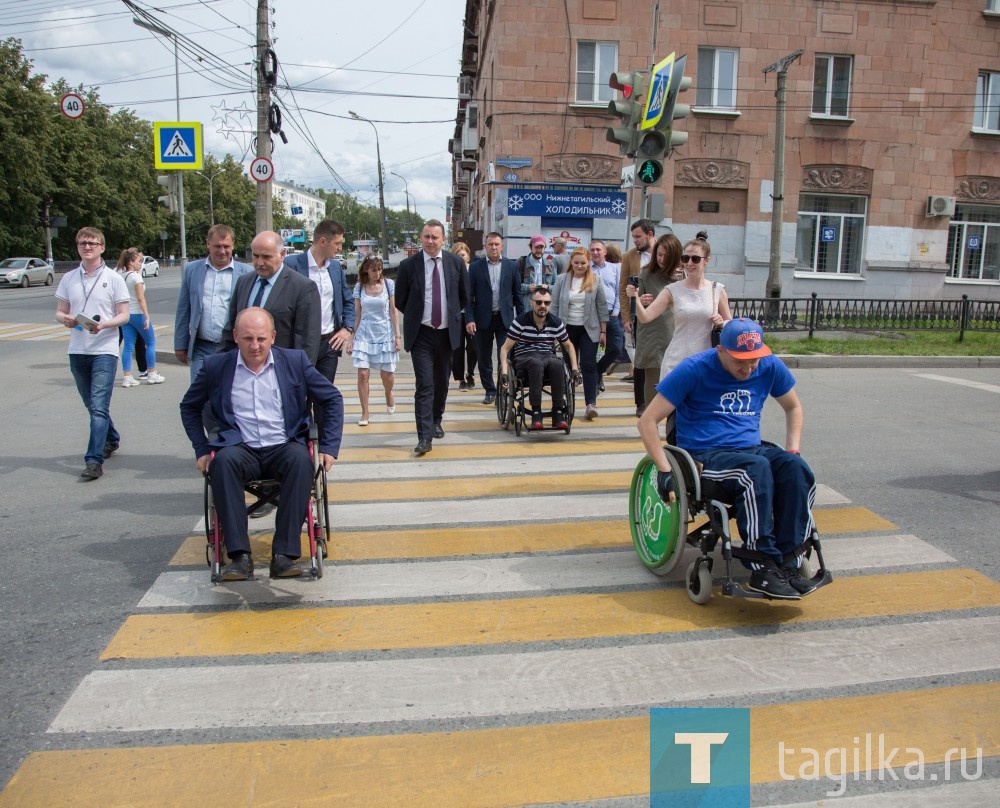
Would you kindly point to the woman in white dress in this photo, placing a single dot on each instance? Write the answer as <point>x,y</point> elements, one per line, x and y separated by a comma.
<point>376,333</point>
<point>699,305</point>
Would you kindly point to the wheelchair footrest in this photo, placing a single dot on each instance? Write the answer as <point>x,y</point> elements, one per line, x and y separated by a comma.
<point>734,590</point>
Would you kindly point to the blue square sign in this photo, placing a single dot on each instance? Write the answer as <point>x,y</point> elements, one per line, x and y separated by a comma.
<point>699,758</point>
<point>829,234</point>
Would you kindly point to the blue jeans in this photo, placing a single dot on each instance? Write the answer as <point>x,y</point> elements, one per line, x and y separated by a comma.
<point>95,379</point>
<point>132,329</point>
<point>613,345</point>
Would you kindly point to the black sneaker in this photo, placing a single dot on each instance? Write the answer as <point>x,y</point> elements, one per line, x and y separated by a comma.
<point>771,582</point>
<point>92,471</point>
<point>470,381</point>
<point>110,449</point>
<point>801,585</point>
<point>284,567</point>
<point>463,386</point>
<point>536,420</point>
<point>239,569</point>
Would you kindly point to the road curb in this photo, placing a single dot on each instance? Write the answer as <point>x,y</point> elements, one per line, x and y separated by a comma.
<point>815,361</point>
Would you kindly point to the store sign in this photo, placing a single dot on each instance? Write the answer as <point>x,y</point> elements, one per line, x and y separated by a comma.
<point>583,204</point>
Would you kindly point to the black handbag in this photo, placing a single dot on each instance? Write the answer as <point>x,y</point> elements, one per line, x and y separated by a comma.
<point>717,330</point>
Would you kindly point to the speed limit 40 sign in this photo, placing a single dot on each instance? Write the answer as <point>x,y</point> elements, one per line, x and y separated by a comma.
<point>71,105</point>
<point>262,169</point>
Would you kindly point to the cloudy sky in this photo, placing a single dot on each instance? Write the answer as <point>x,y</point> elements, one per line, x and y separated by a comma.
<point>394,62</point>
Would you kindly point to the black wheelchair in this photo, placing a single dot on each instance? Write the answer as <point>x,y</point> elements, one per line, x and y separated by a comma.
<point>514,409</point>
<point>267,492</point>
<point>660,529</point>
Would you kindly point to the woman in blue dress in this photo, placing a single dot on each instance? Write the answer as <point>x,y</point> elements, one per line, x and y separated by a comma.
<point>376,333</point>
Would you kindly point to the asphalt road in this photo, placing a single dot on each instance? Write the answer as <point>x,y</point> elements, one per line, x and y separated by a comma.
<point>916,445</point>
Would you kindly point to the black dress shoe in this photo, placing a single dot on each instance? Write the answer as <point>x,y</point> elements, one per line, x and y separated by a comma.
<point>490,398</point>
<point>284,567</point>
<point>262,511</point>
<point>600,383</point>
<point>438,431</point>
<point>422,447</point>
<point>239,569</point>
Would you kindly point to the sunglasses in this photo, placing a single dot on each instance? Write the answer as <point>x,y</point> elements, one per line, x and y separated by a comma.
<point>542,302</point>
<point>694,259</point>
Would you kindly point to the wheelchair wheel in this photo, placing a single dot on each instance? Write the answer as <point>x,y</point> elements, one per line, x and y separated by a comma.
<point>658,527</point>
<point>699,584</point>
<point>504,401</point>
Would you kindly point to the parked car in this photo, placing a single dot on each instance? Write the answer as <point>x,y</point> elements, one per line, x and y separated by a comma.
<point>150,266</point>
<point>25,271</point>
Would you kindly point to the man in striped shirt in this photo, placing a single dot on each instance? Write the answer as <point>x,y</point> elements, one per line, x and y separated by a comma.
<point>533,336</point>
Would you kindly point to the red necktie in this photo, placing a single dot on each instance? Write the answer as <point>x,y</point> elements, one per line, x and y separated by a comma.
<point>435,296</point>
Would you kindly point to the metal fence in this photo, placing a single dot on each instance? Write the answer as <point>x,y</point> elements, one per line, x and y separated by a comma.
<point>855,314</point>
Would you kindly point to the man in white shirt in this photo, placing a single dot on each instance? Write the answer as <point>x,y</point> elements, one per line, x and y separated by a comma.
<point>98,293</point>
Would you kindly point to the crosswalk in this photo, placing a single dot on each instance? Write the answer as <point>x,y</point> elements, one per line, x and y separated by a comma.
<point>44,332</point>
<point>486,636</point>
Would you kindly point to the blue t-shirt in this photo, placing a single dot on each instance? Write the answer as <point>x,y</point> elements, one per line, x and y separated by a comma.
<point>715,410</point>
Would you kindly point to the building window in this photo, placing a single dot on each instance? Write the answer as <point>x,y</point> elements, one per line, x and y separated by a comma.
<point>993,5</point>
<point>987,113</point>
<point>832,86</point>
<point>974,243</point>
<point>830,233</point>
<point>595,62</point>
<point>717,77</point>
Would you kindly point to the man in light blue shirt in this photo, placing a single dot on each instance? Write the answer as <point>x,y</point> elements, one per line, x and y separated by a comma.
<point>203,303</point>
<point>608,273</point>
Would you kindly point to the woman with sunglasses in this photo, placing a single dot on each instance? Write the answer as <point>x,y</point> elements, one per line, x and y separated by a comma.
<point>698,305</point>
<point>578,300</point>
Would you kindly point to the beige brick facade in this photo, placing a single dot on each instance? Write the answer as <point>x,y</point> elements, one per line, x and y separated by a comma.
<point>908,133</point>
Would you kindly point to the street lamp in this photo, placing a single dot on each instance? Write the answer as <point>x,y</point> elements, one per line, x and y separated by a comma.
<point>406,190</point>
<point>381,189</point>
<point>177,87</point>
<point>211,200</point>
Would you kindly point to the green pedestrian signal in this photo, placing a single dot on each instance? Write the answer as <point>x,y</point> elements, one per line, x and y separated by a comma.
<point>650,172</point>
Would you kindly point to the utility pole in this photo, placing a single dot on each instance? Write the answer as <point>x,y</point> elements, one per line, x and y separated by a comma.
<point>265,207</point>
<point>773,287</point>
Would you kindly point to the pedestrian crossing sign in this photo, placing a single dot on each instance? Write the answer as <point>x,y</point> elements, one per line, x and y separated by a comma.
<point>177,145</point>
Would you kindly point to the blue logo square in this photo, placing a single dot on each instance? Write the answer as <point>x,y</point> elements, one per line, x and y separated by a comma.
<point>699,758</point>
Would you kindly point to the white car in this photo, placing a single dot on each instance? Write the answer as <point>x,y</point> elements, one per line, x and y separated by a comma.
<point>25,271</point>
<point>150,266</point>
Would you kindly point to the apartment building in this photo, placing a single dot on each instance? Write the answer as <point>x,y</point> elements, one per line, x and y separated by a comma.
<point>892,136</point>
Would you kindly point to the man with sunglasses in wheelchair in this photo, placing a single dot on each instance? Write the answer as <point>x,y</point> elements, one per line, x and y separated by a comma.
<point>532,337</point>
<point>718,396</point>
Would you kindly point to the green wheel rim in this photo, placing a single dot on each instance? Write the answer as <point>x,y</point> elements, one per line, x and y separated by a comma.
<point>657,526</point>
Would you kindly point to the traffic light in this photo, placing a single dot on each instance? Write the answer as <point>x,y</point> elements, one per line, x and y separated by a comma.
<point>653,150</point>
<point>632,85</point>
<point>169,200</point>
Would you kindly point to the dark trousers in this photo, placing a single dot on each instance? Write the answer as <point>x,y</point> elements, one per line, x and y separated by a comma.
<point>613,345</point>
<point>465,355</point>
<point>773,492</point>
<point>586,354</point>
<point>488,342</point>
<point>326,364</point>
<point>638,386</point>
<point>535,367</point>
<point>288,463</point>
<point>431,357</point>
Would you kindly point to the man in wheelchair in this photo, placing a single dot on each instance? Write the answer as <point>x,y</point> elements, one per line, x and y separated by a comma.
<point>533,336</point>
<point>718,396</point>
<point>259,398</point>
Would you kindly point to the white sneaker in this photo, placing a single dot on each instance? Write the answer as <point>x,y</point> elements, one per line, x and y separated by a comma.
<point>130,381</point>
<point>154,378</point>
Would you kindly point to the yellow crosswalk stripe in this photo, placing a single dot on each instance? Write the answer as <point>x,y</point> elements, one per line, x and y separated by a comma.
<point>535,619</point>
<point>506,766</point>
<point>518,538</point>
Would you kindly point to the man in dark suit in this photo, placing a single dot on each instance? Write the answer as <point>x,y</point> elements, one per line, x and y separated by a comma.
<point>320,264</point>
<point>260,437</point>
<point>494,302</point>
<point>431,292</point>
<point>291,300</point>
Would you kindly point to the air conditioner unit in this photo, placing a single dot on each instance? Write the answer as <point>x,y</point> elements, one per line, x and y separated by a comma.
<point>470,131</point>
<point>464,87</point>
<point>940,206</point>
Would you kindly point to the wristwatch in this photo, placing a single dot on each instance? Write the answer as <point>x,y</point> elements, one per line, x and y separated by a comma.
<point>349,330</point>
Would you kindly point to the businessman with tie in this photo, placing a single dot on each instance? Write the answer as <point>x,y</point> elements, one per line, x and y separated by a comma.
<point>291,299</point>
<point>431,292</point>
